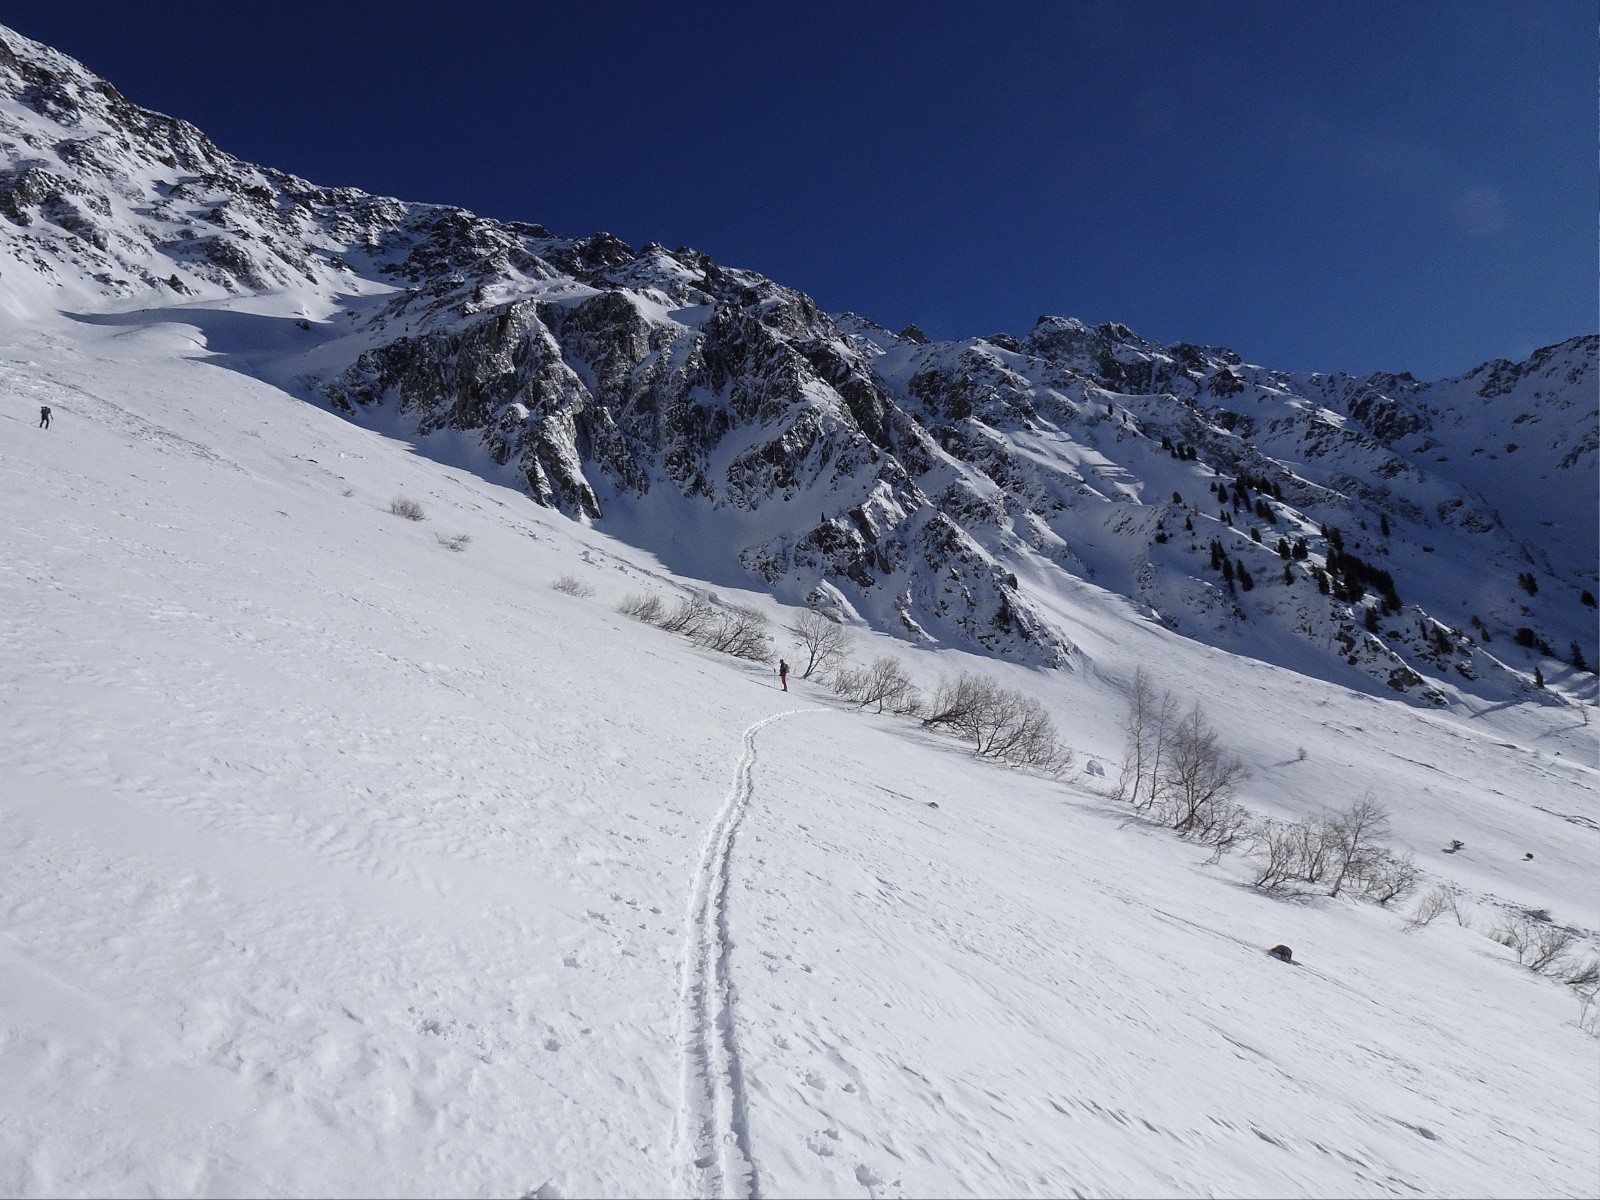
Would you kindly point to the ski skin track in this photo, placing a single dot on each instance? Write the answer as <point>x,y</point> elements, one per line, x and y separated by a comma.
<point>712,1132</point>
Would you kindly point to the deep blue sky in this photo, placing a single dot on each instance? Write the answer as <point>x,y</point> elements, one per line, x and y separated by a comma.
<point>1353,185</point>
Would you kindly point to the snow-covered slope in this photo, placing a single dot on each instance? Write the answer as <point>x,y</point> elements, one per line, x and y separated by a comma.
<point>336,862</point>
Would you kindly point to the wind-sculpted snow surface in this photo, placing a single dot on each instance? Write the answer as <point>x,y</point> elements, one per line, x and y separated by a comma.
<point>948,493</point>
<point>336,863</point>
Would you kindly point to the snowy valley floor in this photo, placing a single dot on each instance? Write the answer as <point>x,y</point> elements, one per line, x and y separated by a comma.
<point>334,862</point>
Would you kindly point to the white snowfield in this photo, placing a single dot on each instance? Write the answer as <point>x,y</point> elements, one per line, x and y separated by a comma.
<point>336,863</point>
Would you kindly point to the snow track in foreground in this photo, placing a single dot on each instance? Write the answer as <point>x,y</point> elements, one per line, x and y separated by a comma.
<point>713,1134</point>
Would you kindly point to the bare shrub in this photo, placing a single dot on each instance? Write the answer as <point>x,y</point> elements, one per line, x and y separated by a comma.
<point>1352,840</point>
<point>741,632</point>
<point>1538,946</point>
<point>401,506</point>
<point>1297,852</point>
<point>1224,827</point>
<point>1589,1011</point>
<point>910,703</point>
<point>824,640</point>
<point>691,616</point>
<point>1039,746</point>
<point>1274,850</point>
<point>1000,722</point>
<point>1434,904</point>
<point>453,541</point>
<point>1301,754</point>
<point>1196,773</point>
<point>1514,932</point>
<point>1145,729</point>
<point>848,681</point>
<point>883,683</point>
<point>1585,974</point>
<point>1547,948</point>
<point>644,606</point>
<point>1315,848</point>
<point>571,586</point>
<point>1388,876</point>
<point>956,699</point>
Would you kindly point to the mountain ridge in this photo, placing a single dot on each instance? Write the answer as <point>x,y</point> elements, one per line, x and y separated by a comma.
<point>956,485</point>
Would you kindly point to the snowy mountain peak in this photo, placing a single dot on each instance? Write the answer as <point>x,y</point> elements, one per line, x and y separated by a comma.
<point>949,492</point>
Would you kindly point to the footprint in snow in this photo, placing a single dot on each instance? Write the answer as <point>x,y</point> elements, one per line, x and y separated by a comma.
<point>868,1178</point>
<point>819,1147</point>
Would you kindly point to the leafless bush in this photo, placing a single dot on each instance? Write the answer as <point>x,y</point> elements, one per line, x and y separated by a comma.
<point>691,616</point>
<point>1145,728</point>
<point>1224,827</point>
<point>1298,852</point>
<point>1196,773</point>
<point>571,586</point>
<point>1387,876</point>
<point>848,680</point>
<point>1515,933</point>
<point>1352,841</point>
<point>1000,722</point>
<point>741,632</point>
<point>453,541</point>
<point>1022,733</point>
<point>1547,948</point>
<point>1585,974</point>
<point>957,700</point>
<point>1301,754</point>
<point>824,640</point>
<point>1538,946</point>
<point>1589,1011</point>
<point>1335,851</point>
<point>645,606</point>
<point>1316,844</point>
<point>400,506</point>
<point>1434,904</point>
<point>883,683</point>
<point>909,703</point>
<point>1277,847</point>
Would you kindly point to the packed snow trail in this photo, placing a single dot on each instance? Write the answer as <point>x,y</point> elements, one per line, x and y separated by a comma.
<point>713,1133</point>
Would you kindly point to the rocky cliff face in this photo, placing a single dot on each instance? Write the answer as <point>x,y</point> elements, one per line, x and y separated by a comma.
<point>947,491</point>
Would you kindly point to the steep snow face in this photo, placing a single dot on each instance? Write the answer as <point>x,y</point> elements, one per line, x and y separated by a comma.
<point>333,862</point>
<point>1436,540</point>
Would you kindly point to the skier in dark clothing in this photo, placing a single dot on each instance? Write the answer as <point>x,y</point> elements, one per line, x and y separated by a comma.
<point>44,416</point>
<point>783,674</point>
